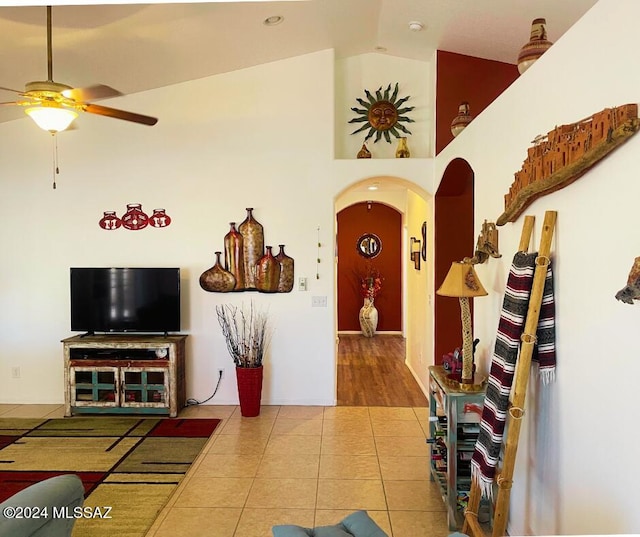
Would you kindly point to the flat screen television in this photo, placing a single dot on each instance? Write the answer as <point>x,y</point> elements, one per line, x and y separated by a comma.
<point>125,300</point>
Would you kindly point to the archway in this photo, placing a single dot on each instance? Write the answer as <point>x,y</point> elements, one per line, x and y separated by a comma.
<point>414,204</point>
<point>454,240</point>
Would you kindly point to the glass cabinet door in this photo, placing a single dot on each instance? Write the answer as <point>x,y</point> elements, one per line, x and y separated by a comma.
<point>145,387</point>
<point>94,386</point>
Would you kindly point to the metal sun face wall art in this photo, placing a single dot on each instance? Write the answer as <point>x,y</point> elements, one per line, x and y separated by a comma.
<point>382,114</point>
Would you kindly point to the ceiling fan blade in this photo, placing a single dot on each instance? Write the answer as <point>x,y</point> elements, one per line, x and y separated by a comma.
<point>9,89</point>
<point>119,114</point>
<point>91,93</point>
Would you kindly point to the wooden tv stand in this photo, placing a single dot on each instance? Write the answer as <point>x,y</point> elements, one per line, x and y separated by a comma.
<point>124,374</point>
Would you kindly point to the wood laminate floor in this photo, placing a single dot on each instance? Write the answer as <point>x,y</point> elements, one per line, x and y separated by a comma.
<point>372,372</point>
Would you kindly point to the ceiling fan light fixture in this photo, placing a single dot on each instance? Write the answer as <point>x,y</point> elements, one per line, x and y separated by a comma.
<point>51,118</point>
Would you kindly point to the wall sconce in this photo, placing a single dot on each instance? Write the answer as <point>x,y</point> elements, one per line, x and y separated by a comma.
<point>415,252</point>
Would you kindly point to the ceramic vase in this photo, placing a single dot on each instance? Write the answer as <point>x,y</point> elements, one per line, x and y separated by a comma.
<point>463,118</point>
<point>267,272</point>
<point>234,255</point>
<point>285,282</point>
<point>135,218</point>
<point>217,279</point>
<point>536,46</point>
<point>110,221</point>
<point>160,218</point>
<point>364,152</point>
<point>253,247</point>
<point>368,318</point>
<point>403,150</point>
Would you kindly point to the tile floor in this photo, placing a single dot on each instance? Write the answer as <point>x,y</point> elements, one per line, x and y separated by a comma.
<point>300,465</point>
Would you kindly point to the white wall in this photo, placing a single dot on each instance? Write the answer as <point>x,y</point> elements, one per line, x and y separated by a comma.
<point>577,466</point>
<point>252,138</point>
<point>372,71</point>
<point>262,137</point>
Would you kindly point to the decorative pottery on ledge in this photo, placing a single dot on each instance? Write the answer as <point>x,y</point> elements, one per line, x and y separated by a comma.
<point>463,118</point>
<point>248,264</point>
<point>565,154</point>
<point>536,47</point>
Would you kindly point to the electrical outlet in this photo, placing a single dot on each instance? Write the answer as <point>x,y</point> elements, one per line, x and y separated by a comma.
<point>302,284</point>
<point>15,372</point>
<point>221,373</point>
<point>318,301</point>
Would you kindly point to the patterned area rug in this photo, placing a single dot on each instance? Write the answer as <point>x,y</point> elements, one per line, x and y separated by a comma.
<point>132,465</point>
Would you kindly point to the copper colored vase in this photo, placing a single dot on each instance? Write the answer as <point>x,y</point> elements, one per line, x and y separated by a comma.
<point>267,273</point>
<point>234,255</point>
<point>253,247</point>
<point>285,282</point>
<point>217,279</point>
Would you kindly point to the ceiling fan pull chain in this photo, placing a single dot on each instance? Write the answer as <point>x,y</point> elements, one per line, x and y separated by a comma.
<point>56,170</point>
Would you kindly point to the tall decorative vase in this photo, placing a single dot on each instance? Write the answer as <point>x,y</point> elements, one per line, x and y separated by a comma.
<point>267,272</point>
<point>253,247</point>
<point>217,279</point>
<point>285,283</point>
<point>249,390</point>
<point>403,150</point>
<point>368,318</point>
<point>234,255</point>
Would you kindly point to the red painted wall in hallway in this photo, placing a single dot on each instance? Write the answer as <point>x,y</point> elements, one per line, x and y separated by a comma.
<point>386,223</point>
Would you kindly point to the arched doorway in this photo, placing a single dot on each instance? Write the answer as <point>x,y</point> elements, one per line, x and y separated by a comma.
<point>454,240</point>
<point>416,325</point>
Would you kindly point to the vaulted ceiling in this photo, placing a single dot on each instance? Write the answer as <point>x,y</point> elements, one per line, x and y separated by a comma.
<point>136,47</point>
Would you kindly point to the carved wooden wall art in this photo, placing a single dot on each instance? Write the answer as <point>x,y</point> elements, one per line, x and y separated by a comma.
<point>565,154</point>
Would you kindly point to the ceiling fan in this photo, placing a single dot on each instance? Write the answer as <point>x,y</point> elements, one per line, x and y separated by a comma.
<point>53,106</point>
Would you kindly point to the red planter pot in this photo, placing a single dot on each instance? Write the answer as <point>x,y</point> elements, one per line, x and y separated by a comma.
<point>249,390</point>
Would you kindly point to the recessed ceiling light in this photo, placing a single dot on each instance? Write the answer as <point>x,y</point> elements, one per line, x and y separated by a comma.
<point>274,20</point>
<point>416,26</point>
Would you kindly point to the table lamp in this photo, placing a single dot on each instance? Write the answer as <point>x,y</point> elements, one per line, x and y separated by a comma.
<point>463,282</point>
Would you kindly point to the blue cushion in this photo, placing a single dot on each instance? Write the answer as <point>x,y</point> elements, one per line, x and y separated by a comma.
<point>358,524</point>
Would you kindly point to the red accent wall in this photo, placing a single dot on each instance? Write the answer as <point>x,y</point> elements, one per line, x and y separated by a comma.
<point>466,78</point>
<point>454,241</point>
<point>386,223</point>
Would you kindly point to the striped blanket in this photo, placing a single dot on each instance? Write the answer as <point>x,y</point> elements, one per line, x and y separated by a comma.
<point>503,363</point>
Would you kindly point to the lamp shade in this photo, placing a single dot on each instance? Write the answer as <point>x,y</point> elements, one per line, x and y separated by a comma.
<point>461,281</point>
<point>51,118</point>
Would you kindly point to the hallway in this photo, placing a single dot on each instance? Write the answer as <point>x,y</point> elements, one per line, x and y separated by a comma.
<point>372,372</point>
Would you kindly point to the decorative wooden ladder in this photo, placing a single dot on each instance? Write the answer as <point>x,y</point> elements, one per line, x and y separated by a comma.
<point>504,477</point>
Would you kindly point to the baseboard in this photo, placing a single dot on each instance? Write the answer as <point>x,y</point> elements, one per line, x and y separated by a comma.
<point>378,333</point>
